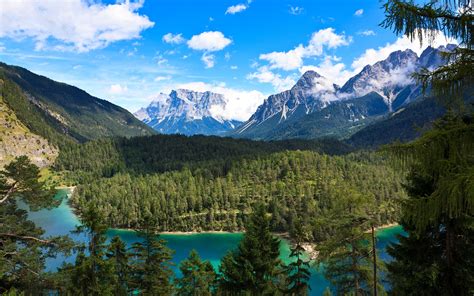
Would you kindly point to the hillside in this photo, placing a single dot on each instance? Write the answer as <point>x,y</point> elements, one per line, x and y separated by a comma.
<point>61,112</point>
<point>38,116</point>
<point>16,139</point>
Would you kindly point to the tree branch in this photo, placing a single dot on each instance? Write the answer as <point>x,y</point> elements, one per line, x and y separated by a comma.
<point>32,238</point>
<point>9,192</point>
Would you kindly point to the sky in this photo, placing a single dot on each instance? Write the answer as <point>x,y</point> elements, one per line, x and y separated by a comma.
<point>129,51</point>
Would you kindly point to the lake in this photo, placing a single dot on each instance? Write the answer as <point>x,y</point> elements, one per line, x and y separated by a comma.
<point>211,246</point>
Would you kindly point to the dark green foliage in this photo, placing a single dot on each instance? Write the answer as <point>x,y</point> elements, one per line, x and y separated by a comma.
<point>118,257</point>
<point>346,254</point>
<point>161,153</point>
<point>61,113</point>
<point>198,277</point>
<point>23,249</point>
<point>298,271</point>
<point>293,184</point>
<point>151,262</point>
<point>91,274</point>
<point>254,267</point>
<point>439,215</point>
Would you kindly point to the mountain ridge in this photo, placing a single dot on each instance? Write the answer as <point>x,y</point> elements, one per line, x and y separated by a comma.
<point>187,112</point>
<point>389,79</point>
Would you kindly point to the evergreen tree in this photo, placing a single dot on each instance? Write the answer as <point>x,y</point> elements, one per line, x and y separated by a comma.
<point>151,266</point>
<point>438,253</point>
<point>199,278</point>
<point>119,259</point>
<point>346,254</point>
<point>439,215</point>
<point>297,271</point>
<point>23,249</point>
<point>255,266</point>
<point>91,274</point>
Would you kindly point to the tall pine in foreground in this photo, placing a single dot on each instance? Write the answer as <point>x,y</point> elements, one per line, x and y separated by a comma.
<point>23,248</point>
<point>199,277</point>
<point>151,262</point>
<point>119,260</point>
<point>254,268</point>
<point>91,273</point>
<point>438,254</point>
<point>346,256</point>
<point>437,257</point>
<point>298,271</point>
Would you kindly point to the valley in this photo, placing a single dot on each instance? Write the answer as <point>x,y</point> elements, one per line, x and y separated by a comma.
<point>222,148</point>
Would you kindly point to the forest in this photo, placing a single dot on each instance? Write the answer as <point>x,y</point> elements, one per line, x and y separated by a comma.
<point>292,184</point>
<point>317,191</point>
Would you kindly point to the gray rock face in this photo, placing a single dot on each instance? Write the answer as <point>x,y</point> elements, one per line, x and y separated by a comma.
<point>312,92</point>
<point>391,79</point>
<point>187,112</point>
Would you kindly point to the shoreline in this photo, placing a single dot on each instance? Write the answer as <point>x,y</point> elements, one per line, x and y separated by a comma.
<point>383,226</point>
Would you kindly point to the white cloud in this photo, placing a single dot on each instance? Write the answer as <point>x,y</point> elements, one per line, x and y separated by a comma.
<point>209,41</point>
<point>162,78</point>
<point>296,10</point>
<point>359,12</point>
<point>366,33</point>
<point>371,55</point>
<point>117,89</point>
<point>208,60</point>
<point>241,104</point>
<point>236,9</point>
<point>173,38</point>
<point>293,59</point>
<point>264,75</point>
<point>233,67</point>
<point>330,68</point>
<point>72,25</point>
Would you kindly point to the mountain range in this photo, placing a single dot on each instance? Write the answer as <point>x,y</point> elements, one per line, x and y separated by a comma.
<point>314,107</point>
<point>381,104</point>
<point>187,112</point>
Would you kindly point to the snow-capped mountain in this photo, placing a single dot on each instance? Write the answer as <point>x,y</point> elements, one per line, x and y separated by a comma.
<point>387,77</point>
<point>187,112</point>
<point>312,92</point>
<point>384,86</point>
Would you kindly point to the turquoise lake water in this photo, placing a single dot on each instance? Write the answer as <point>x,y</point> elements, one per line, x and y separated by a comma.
<point>211,246</point>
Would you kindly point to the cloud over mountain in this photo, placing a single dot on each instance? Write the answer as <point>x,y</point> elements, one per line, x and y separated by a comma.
<point>72,25</point>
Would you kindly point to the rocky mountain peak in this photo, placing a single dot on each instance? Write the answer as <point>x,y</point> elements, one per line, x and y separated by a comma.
<point>186,111</point>
<point>307,80</point>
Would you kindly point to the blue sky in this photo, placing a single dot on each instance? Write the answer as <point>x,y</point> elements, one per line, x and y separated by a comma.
<point>128,51</point>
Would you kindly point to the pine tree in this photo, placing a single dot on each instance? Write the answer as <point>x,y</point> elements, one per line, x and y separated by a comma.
<point>298,272</point>
<point>119,259</point>
<point>199,278</point>
<point>255,266</point>
<point>91,274</point>
<point>23,249</point>
<point>439,215</point>
<point>346,254</point>
<point>151,266</point>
